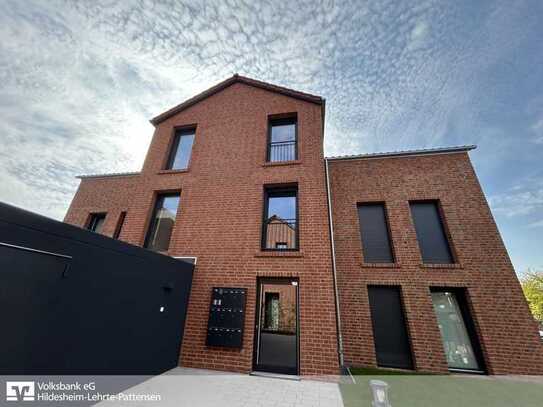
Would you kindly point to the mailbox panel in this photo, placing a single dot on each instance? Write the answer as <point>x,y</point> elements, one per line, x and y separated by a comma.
<point>226,317</point>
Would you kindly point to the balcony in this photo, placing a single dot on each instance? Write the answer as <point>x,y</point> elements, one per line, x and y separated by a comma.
<point>280,234</point>
<point>282,151</point>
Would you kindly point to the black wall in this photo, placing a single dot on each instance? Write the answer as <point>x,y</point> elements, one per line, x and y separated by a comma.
<point>91,305</point>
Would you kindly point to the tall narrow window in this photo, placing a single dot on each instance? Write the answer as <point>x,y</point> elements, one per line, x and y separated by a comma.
<point>119,226</point>
<point>96,222</point>
<point>457,332</point>
<point>374,233</point>
<point>282,144</point>
<point>280,229</point>
<point>160,230</point>
<point>181,149</point>
<point>433,242</point>
<point>392,347</point>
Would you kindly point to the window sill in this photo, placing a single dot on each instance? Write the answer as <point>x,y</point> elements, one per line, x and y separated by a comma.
<point>173,171</point>
<point>278,253</point>
<point>442,266</point>
<point>279,163</point>
<point>381,265</point>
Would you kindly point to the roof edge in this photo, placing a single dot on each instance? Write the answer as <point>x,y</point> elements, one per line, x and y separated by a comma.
<point>405,153</point>
<point>230,81</point>
<point>110,175</point>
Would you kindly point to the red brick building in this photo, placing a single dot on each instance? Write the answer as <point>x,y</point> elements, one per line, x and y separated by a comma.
<point>236,178</point>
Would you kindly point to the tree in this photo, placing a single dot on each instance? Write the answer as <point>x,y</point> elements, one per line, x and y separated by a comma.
<point>532,285</point>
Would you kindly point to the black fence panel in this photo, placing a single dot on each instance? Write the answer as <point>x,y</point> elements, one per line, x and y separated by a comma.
<point>76,302</point>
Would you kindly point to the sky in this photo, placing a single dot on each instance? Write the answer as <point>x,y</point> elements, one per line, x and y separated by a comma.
<point>79,81</point>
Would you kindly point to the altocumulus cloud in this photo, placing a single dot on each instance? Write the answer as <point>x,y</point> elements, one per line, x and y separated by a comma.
<point>79,81</point>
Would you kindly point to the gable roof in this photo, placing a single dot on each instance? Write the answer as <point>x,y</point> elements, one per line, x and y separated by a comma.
<point>230,81</point>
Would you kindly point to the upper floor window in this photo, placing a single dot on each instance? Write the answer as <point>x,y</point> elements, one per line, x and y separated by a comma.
<point>433,242</point>
<point>374,233</point>
<point>96,222</point>
<point>162,222</point>
<point>280,228</point>
<point>181,149</point>
<point>282,139</point>
<point>119,226</point>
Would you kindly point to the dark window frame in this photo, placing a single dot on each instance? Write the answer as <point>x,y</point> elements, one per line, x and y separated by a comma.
<point>90,225</point>
<point>388,229</point>
<point>152,219</point>
<point>281,120</point>
<point>279,190</point>
<point>173,147</point>
<point>120,224</point>
<point>444,228</point>
<point>468,315</point>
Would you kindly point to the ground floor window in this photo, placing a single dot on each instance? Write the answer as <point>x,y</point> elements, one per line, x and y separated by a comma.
<point>390,335</point>
<point>459,343</point>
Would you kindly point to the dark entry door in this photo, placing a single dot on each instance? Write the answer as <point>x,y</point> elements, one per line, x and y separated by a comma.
<point>276,335</point>
<point>389,330</point>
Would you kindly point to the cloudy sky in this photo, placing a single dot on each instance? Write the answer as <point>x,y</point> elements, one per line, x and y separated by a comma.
<point>80,80</point>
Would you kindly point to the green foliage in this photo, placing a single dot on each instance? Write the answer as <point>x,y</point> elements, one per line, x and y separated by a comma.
<point>532,285</point>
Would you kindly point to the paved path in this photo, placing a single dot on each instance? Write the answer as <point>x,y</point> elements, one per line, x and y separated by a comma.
<point>194,388</point>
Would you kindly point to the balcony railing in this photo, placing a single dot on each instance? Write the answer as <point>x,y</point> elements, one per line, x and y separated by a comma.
<point>282,151</point>
<point>280,234</point>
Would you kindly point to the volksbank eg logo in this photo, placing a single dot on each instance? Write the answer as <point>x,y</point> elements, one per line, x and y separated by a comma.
<point>20,391</point>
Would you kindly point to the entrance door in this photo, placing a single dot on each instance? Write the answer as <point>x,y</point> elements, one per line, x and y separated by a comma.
<point>276,335</point>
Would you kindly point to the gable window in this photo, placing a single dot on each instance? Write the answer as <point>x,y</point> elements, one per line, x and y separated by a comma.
<point>374,233</point>
<point>433,242</point>
<point>96,222</point>
<point>282,139</point>
<point>280,228</point>
<point>181,149</point>
<point>162,222</point>
<point>119,226</point>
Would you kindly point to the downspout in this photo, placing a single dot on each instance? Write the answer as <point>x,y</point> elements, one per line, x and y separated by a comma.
<point>333,251</point>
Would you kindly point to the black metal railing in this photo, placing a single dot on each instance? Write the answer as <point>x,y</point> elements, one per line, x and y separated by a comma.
<point>280,234</point>
<point>282,151</point>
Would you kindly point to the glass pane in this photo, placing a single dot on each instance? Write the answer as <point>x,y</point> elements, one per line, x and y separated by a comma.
<point>96,223</point>
<point>283,132</point>
<point>163,222</point>
<point>278,326</point>
<point>283,207</point>
<point>456,340</point>
<point>183,151</point>
<point>283,142</point>
<point>280,227</point>
<point>99,224</point>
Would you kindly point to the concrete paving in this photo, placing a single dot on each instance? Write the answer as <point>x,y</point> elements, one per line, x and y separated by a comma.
<point>195,387</point>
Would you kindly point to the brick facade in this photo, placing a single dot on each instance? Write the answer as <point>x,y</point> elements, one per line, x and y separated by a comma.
<point>506,330</point>
<point>219,221</point>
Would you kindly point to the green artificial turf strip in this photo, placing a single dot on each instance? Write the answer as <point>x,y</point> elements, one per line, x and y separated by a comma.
<point>445,390</point>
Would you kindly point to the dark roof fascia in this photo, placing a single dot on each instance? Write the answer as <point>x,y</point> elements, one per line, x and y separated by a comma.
<point>230,81</point>
<point>407,153</point>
